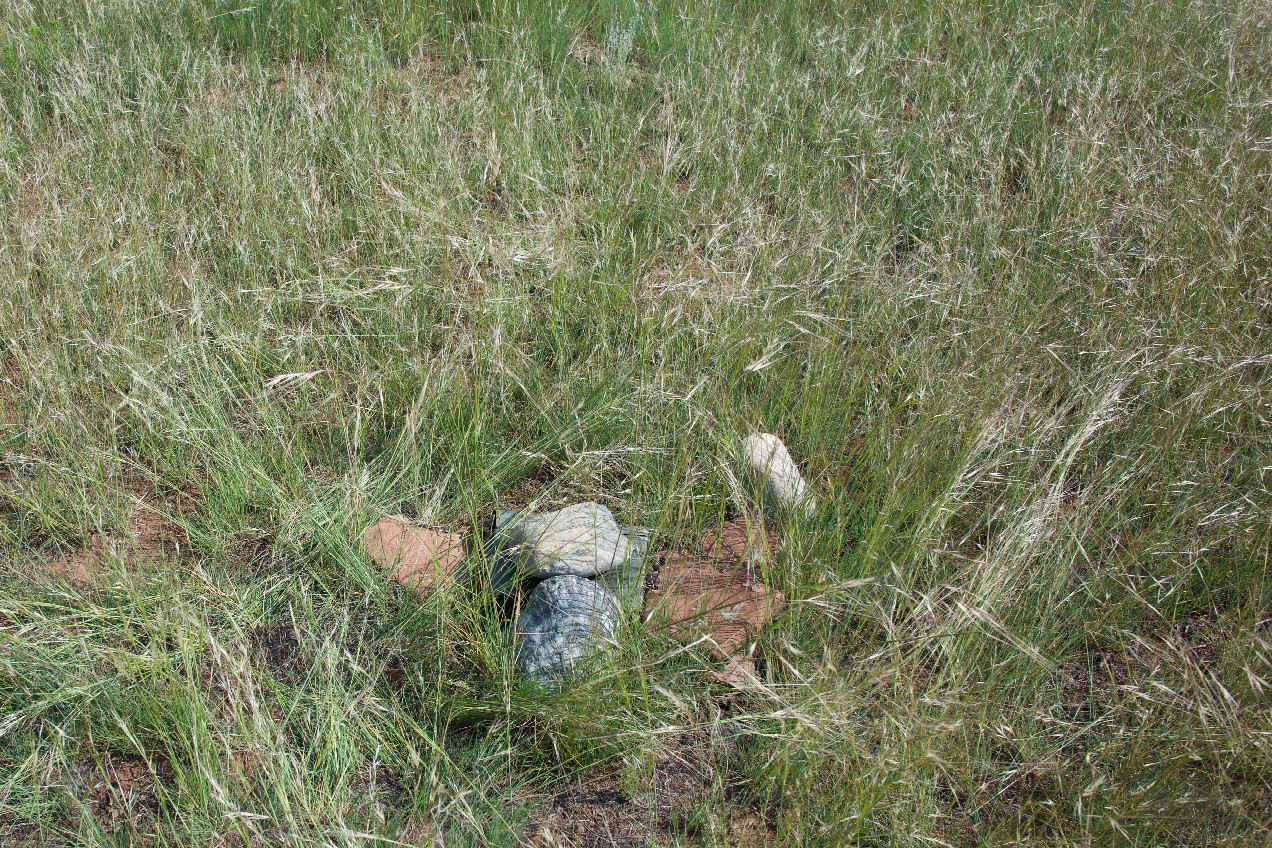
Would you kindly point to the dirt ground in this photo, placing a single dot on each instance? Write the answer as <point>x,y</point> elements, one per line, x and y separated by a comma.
<point>682,799</point>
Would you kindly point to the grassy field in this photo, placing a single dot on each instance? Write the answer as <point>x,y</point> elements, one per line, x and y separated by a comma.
<point>1000,274</point>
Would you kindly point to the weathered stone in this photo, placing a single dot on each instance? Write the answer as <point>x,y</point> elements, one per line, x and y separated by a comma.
<point>627,582</point>
<point>503,562</point>
<point>739,672</point>
<point>695,599</point>
<point>771,474</point>
<point>748,543</point>
<point>567,623</point>
<point>421,557</point>
<point>717,596</point>
<point>581,539</point>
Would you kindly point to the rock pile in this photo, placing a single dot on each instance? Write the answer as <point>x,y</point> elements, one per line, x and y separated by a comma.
<point>589,570</point>
<point>581,573</point>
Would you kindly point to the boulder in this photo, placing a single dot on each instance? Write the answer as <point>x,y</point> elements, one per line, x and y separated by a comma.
<point>772,476</point>
<point>568,622</point>
<point>582,540</point>
<point>627,582</point>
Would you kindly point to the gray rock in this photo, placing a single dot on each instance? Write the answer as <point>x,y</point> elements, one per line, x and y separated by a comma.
<point>771,474</point>
<point>567,624</point>
<point>627,582</point>
<point>581,539</point>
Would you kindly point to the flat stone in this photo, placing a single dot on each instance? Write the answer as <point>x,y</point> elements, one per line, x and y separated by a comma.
<point>582,540</point>
<point>421,557</point>
<point>568,622</point>
<point>716,595</point>
<point>772,475</point>
<point>627,582</point>
<point>739,672</point>
<point>747,543</point>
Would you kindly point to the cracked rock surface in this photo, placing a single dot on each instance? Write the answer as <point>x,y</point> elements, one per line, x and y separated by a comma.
<point>718,597</point>
<point>567,624</point>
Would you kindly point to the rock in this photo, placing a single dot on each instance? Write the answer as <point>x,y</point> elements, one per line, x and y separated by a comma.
<point>582,540</point>
<point>421,557</point>
<point>695,598</point>
<point>567,623</point>
<point>772,475</point>
<point>739,672</point>
<point>627,582</point>
<point>717,596</point>
<point>749,544</point>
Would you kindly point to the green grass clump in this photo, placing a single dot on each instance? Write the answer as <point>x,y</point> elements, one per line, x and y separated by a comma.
<point>998,274</point>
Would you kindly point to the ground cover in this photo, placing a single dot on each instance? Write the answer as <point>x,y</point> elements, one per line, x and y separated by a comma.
<point>996,272</point>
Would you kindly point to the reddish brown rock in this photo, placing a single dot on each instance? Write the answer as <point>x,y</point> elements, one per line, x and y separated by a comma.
<point>717,595</point>
<point>421,557</point>
<point>738,672</point>
<point>740,542</point>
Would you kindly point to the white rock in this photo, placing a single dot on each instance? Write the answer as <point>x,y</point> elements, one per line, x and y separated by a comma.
<point>583,539</point>
<point>772,475</point>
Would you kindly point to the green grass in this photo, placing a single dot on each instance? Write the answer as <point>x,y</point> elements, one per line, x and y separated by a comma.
<point>998,273</point>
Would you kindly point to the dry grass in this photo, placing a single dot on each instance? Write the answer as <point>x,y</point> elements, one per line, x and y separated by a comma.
<point>999,276</point>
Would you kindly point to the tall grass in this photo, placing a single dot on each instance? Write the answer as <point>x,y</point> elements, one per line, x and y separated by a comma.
<point>998,273</point>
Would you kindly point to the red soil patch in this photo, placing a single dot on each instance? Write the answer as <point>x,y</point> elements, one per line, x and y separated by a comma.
<point>150,540</point>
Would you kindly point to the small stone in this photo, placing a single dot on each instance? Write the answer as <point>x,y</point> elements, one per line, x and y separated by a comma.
<point>773,475</point>
<point>582,539</point>
<point>421,557</point>
<point>739,672</point>
<point>567,623</point>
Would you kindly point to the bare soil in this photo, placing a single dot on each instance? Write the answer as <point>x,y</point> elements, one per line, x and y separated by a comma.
<point>124,791</point>
<point>149,540</point>
<point>680,800</point>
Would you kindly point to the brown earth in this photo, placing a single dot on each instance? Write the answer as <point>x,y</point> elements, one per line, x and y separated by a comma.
<point>150,540</point>
<point>124,790</point>
<point>686,776</point>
